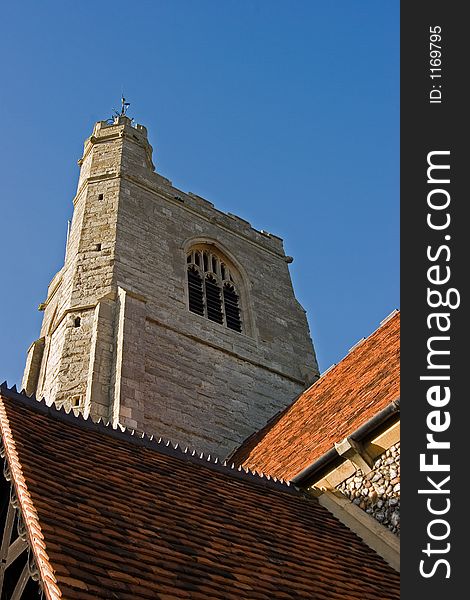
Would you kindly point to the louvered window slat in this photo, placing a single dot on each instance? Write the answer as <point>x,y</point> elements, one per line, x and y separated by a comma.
<point>214,301</point>
<point>211,288</point>
<point>196,294</point>
<point>232,309</point>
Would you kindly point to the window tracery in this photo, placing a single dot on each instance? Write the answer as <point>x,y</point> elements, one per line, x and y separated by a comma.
<point>212,288</point>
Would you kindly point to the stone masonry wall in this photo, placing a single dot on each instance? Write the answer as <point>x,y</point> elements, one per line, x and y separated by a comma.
<point>33,365</point>
<point>378,492</point>
<point>85,279</point>
<point>249,376</point>
<point>48,375</point>
<point>139,356</point>
<point>152,237</point>
<point>203,397</point>
<point>74,360</point>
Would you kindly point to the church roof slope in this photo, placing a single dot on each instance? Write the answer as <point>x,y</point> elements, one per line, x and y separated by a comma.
<point>346,397</point>
<point>109,515</point>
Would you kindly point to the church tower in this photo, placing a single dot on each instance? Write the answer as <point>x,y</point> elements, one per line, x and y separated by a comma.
<point>168,315</point>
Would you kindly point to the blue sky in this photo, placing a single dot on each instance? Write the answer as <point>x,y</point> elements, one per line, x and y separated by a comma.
<point>283,112</point>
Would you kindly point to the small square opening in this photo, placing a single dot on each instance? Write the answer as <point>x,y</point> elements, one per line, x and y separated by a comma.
<point>75,401</point>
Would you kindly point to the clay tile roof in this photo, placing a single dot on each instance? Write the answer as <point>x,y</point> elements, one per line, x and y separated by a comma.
<point>110,515</point>
<point>341,401</point>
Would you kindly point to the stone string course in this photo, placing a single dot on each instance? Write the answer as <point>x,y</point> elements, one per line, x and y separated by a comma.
<point>378,492</point>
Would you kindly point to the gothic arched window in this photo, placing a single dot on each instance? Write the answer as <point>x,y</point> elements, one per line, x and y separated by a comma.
<point>212,289</point>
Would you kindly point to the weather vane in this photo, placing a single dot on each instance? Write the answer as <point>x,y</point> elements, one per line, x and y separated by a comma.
<point>124,106</point>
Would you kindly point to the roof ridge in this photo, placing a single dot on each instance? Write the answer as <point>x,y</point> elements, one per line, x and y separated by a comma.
<point>382,323</point>
<point>140,438</point>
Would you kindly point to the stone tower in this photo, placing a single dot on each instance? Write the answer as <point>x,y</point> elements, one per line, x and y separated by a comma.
<point>168,315</point>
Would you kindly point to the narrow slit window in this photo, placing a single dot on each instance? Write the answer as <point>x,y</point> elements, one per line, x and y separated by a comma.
<point>77,322</point>
<point>75,401</point>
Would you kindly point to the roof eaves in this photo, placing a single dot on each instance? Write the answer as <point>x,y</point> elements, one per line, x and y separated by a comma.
<point>305,476</point>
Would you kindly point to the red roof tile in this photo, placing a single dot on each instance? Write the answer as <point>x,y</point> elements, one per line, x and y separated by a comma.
<point>342,400</point>
<point>117,516</point>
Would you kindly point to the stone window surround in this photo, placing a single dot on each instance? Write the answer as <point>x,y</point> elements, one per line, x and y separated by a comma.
<point>208,267</point>
<point>240,281</point>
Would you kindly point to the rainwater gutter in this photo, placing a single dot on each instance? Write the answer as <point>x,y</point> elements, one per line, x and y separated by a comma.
<point>356,437</point>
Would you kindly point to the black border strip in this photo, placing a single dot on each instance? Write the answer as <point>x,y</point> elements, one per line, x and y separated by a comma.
<point>433,121</point>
